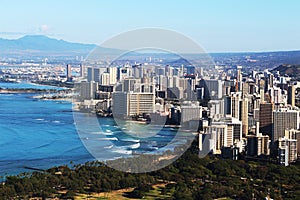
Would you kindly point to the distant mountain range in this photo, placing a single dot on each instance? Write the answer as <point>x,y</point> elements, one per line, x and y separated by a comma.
<point>41,45</point>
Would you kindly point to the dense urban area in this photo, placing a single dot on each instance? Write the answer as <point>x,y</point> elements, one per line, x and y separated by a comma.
<point>242,108</point>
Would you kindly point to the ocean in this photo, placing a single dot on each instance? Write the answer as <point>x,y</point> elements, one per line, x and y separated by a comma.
<point>41,134</point>
<point>36,133</point>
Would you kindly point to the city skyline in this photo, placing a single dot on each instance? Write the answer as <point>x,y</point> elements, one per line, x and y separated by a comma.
<point>149,99</point>
<point>217,26</point>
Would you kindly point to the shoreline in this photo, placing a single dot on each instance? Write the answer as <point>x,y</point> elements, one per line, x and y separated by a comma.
<point>19,91</point>
<point>29,91</point>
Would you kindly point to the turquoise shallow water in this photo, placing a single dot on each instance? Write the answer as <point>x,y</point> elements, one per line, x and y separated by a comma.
<point>42,134</point>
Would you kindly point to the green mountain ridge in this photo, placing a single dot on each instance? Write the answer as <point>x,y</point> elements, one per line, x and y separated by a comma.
<point>288,69</point>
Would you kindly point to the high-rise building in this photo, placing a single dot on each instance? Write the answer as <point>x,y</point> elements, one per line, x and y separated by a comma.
<point>137,71</point>
<point>228,87</point>
<point>200,94</point>
<point>287,150</point>
<point>120,104</point>
<point>216,108</point>
<point>160,71</point>
<point>294,134</point>
<point>244,115</point>
<point>105,79</point>
<point>214,88</point>
<point>239,78</point>
<point>175,93</point>
<point>163,82</point>
<point>176,80</point>
<point>245,89</point>
<point>87,90</point>
<point>262,95</point>
<point>190,111</point>
<point>94,74</point>
<point>183,83</point>
<point>129,104</point>
<point>169,70</point>
<point>82,70</point>
<point>189,92</point>
<point>227,105</point>
<point>252,87</point>
<point>258,145</point>
<point>262,84</point>
<point>266,118</point>
<point>200,71</point>
<point>129,85</point>
<point>223,133</point>
<point>217,134</point>
<point>235,104</point>
<point>284,119</point>
<point>256,116</point>
<point>141,103</point>
<point>174,114</point>
<point>90,74</point>
<point>235,126</point>
<point>170,81</point>
<point>125,72</point>
<point>69,72</point>
<point>232,104</point>
<point>271,80</point>
<point>291,95</point>
<point>231,153</point>
<point>276,95</point>
<point>112,71</point>
<point>97,75</point>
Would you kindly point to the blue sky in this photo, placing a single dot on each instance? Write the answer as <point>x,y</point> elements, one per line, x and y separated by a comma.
<point>217,25</point>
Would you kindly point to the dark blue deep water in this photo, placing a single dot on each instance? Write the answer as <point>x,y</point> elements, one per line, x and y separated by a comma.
<point>42,133</point>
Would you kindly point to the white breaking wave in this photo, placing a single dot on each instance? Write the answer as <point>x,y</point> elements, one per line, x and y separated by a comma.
<point>101,133</point>
<point>162,136</point>
<point>104,133</point>
<point>130,140</point>
<point>135,146</point>
<point>109,147</point>
<point>113,138</point>
<point>122,151</point>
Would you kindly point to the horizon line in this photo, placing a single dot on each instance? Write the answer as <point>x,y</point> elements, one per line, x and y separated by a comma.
<point>208,52</point>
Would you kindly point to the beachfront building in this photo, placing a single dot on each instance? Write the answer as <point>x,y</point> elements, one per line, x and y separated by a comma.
<point>128,104</point>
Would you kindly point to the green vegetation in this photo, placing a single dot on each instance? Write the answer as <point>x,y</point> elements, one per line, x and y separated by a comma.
<point>288,69</point>
<point>187,178</point>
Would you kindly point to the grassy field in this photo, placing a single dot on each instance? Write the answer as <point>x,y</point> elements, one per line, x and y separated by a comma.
<point>120,194</point>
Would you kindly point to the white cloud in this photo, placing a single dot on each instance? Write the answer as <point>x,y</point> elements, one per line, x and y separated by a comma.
<point>44,29</point>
